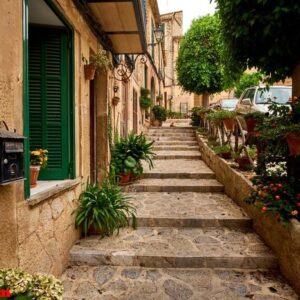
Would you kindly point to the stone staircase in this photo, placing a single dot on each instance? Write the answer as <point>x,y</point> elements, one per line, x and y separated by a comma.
<point>192,241</point>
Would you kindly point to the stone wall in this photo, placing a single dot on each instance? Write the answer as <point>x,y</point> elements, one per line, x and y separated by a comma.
<point>284,240</point>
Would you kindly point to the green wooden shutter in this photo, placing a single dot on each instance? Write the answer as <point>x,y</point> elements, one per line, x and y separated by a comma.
<point>48,99</point>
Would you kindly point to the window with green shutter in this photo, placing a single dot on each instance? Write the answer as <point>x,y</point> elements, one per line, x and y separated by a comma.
<point>49,72</point>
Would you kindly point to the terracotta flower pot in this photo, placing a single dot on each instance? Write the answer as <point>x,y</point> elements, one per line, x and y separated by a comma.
<point>156,123</point>
<point>225,155</point>
<point>34,174</point>
<point>124,179</point>
<point>244,163</point>
<point>293,140</point>
<point>94,230</point>
<point>89,72</point>
<point>115,101</point>
<point>229,124</point>
<point>251,123</point>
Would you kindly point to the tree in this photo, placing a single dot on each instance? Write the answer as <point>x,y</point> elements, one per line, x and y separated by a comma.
<point>247,80</point>
<point>263,34</point>
<point>199,62</point>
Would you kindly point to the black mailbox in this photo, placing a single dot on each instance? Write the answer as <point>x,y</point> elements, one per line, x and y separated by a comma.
<point>11,157</point>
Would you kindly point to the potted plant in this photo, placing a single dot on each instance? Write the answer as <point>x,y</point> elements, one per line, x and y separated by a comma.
<point>159,98</point>
<point>115,100</point>
<point>252,119</point>
<point>243,159</point>
<point>98,61</point>
<point>225,116</point>
<point>160,115</point>
<point>223,151</point>
<point>103,209</point>
<point>38,160</point>
<point>145,101</point>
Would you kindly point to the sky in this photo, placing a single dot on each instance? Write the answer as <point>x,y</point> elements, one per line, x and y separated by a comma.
<point>191,9</point>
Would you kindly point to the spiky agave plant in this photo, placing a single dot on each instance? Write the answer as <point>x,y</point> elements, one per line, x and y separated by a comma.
<point>105,207</point>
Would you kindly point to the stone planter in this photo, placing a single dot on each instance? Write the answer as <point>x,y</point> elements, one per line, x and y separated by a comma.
<point>89,72</point>
<point>34,174</point>
<point>293,140</point>
<point>229,124</point>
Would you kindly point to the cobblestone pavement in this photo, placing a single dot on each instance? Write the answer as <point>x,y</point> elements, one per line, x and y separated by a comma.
<point>127,283</point>
<point>192,241</point>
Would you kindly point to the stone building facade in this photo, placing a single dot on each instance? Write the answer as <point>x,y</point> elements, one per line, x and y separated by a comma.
<point>175,98</point>
<point>45,97</point>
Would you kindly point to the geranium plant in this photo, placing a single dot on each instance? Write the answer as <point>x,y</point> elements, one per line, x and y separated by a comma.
<point>39,157</point>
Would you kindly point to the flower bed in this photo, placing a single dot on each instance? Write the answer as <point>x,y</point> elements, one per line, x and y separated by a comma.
<point>284,239</point>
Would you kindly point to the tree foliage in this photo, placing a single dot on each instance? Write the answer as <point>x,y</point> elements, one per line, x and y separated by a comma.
<point>263,34</point>
<point>199,63</point>
<point>247,80</point>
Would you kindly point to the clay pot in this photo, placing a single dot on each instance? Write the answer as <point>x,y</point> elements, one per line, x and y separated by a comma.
<point>156,123</point>
<point>293,140</point>
<point>251,123</point>
<point>244,163</point>
<point>225,155</point>
<point>94,230</point>
<point>115,101</point>
<point>124,179</point>
<point>34,174</point>
<point>229,124</point>
<point>89,72</point>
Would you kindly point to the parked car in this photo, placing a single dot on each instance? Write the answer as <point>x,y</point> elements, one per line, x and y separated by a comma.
<point>258,98</point>
<point>228,104</point>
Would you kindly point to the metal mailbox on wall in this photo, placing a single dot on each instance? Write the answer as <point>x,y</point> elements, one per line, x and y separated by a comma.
<point>11,157</point>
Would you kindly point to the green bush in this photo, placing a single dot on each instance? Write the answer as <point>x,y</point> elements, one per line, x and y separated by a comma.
<point>105,207</point>
<point>247,81</point>
<point>24,286</point>
<point>222,149</point>
<point>197,112</point>
<point>145,100</point>
<point>254,115</point>
<point>160,113</point>
<point>221,115</point>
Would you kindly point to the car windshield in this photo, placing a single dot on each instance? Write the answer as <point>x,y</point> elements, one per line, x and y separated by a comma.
<point>229,103</point>
<point>278,95</point>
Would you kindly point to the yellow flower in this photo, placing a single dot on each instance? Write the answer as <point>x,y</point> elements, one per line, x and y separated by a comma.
<point>36,153</point>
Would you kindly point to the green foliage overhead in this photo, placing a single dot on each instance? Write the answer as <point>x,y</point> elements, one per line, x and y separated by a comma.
<point>246,81</point>
<point>199,63</point>
<point>263,34</point>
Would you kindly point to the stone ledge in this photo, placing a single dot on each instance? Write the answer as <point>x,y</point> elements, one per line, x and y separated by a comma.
<point>62,187</point>
<point>283,240</point>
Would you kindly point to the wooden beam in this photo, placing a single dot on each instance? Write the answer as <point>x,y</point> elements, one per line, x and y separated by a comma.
<point>107,1</point>
<point>121,32</point>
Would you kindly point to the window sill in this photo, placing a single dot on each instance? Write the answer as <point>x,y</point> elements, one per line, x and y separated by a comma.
<point>49,189</point>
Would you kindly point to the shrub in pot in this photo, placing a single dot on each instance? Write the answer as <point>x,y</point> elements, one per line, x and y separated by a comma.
<point>145,100</point>
<point>104,209</point>
<point>252,119</point>
<point>160,115</point>
<point>243,160</point>
<point>223,151</point>
<point>38,161</point>
<point>225,116</point>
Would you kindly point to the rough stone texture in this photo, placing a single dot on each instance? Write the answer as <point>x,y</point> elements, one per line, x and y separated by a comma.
<point>175,185</point>
<point>187,210</point>
<point>284,240</point>
<point>183,168</point>
<point>176,247</point>
<point>206,284</point>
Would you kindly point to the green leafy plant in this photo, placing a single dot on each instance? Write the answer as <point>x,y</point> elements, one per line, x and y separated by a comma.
<point>221,115</point>
<point>160,113</point>
<point>198,113</point>
<point>222,149</point>
<point>247,80</point>
<point>100,60</point>
<point>24,286</point>
<point>39,157</point>
<point>104,207</point>
<point>276,197</point>
<point>254,115</point>
<point>145,100</point>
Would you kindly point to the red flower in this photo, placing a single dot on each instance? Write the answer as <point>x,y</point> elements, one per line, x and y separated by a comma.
<point>274,189</point>
<point>298,196</point>
<point>277,198</point>
<point>298,204</point>
<point>294,213</point>
<point>279,185</point>
<point>264,209</point>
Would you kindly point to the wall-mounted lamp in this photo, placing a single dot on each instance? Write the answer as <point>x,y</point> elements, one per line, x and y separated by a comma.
<point>159,34</point>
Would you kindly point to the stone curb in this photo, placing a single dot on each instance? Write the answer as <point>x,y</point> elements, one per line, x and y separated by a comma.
<point>284,240</point>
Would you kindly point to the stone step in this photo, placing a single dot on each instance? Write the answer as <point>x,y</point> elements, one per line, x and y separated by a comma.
<point>171,130</point>
<point>190,134</point>
<point>175,148</point>
<point>178,121</point>
<point>172,138</point>
<point>164,247</point>
<point>184,168</point>
<point>188,210</point>
<point>136,283</point>
<point>177,155</point>
<point>176,143</point>
<point>176,185</point>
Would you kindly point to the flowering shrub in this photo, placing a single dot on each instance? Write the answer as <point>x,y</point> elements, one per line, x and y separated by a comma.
<point>39,158</point>
<point>31,287</point>
<point>279,199</point>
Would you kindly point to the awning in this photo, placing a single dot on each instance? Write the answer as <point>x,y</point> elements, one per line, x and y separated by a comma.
<point>123,21</point>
